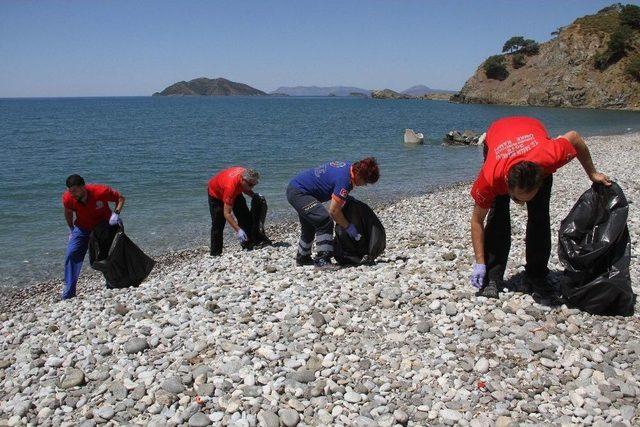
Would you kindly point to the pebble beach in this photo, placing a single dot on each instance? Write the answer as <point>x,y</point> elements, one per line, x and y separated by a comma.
<point>249,339</point>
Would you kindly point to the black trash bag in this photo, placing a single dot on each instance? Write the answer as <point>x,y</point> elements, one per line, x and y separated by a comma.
<point>258,216</point>
<point>595,248</point>
<point>125,264</point>
<point>100,241</point>
<point>370,246</point>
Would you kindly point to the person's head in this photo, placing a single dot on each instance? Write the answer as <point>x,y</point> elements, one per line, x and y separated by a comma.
<point>75,184</point>
<point>524,180</point>
<point>250,178</point>
<point>365,171</point>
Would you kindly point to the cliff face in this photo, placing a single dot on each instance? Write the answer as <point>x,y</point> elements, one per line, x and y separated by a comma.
<point>209,87</point>
<point>563,73</point>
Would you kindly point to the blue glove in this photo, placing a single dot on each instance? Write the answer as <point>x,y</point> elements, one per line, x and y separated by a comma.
<point>477,275</point>
<point>353,232</point>
<point>242,236</point>
<point>115,218</point>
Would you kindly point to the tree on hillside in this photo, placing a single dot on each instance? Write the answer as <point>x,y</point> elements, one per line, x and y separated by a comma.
<point>633,68</point>
<point>513,44</point>
<point>620,41</point>
<point>518,60</point>
<point>630,15</point>
<point>530,47</point>
<point>494,68</point>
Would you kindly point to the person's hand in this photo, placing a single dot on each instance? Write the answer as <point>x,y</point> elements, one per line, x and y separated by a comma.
<point>115,218</point>
<point>241,235</point>
<point>600,178</point>
<point>352,231</point>
<point>477,275</point>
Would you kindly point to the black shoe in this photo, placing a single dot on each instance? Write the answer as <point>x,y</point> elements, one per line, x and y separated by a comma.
<point>490,290</point>
<point>303,260</point>
<point>323,262</point>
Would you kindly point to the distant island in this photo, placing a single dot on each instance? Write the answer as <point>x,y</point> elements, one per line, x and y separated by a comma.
<point>422,90</point>
<point>592,63</point>
<point>320,91</point>
<point>210,87</point>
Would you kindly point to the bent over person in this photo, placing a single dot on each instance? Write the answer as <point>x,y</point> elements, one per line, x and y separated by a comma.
<point>310,188</point>
<point>227,204</point>
<point>520,160</point>
<point>90,204</point>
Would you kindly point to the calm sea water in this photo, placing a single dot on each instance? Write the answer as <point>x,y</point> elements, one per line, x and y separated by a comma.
<point>160,152</point>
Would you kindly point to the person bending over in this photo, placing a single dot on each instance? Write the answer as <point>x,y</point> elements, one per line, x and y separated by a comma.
<point>90,205</point>
<point>310,189</point>
<point>520,160</point>
<point>226,201</point>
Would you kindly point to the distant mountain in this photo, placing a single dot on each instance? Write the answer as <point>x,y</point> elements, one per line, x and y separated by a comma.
<point>421,90</point>
<point>389,94</point>
<point>210,87</point>
<point>320,91</point>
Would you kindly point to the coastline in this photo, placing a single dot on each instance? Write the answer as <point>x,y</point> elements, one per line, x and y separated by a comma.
<point>404,341</point>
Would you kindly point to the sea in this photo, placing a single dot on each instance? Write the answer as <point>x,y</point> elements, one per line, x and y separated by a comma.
<point>160,152</point>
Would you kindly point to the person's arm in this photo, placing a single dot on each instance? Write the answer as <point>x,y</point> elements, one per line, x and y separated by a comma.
<point>228,215</point>
<point>68,216</point>
<point>477,232</point>
<point>335,211</point>
<point>119,204</point>
<point>584,156</point>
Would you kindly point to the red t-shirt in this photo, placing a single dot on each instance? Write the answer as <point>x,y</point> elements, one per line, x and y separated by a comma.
<point>96,209</point>
<point>512,140</point>
<point>227,185</point>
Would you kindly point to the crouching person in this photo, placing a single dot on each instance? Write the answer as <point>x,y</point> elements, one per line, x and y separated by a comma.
<point>310,189</point>
<point>90,205</point>
<point>227,204</point>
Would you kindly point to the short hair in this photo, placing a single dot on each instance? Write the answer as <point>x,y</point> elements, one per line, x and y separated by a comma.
<point>525,176</point>
<point>75,180</point>
<point>367,169</point>
<point>251,175</point>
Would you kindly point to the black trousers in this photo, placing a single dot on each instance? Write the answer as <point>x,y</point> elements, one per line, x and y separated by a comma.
<point>497,235</point>
<point>216,209</point>
<point>315,222</point>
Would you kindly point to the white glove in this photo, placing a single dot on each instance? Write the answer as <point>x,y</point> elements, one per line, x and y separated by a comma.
<point>242,236</point>
<point>115,218</point>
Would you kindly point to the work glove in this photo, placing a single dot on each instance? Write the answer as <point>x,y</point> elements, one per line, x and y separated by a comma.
<point>242,236</point>
<point>115,218</point>
<point>353,232</point>
<point>477,275</point>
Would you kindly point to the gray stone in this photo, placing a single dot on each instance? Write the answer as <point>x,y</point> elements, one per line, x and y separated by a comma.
<point>118,390</point>
<point>352,397</point>
<point>449,256</point>
<point>391,293</point>
<point>482,366</point>
<point>5,363</point>
<point>106,413</point>
<point>173,385</point>
<point>450,416</point>
<point>199,420</point>
<point>451,309</point>
<point>318,319</point>
<point>121,309</point>
<point>627,412</point>
<point>424,326</point>
<point>536,346</point>
<point>165,398</point>
<point>72,378</point>
<point>304,375</point>
<point>289,417</point>
<point>136,345</point>
<point>268,419</point>
<point>21,408</point>
<point>401,416</point>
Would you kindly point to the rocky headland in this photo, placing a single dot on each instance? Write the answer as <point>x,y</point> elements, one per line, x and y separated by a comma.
<point>249,339</point>
<point>592,63</point>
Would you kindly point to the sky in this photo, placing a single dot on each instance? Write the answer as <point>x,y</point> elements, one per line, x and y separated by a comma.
<point>134,48</point>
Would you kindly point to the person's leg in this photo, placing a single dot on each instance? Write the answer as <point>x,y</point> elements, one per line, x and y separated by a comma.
<point>314,220</point>
<point>497,239</point>
<point>216,209</point>
<point>243,216</point>
<point>538,243</point>
<point>76,250</point>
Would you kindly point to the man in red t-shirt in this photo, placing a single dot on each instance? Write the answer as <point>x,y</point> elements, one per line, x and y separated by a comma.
<point>520,159</point>
<point>90,204</point>
<point>225,200</point>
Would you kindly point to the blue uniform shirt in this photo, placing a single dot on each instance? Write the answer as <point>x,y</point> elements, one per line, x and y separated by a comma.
<point>330,180</point>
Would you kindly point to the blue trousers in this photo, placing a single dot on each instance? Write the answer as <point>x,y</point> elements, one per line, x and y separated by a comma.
<point>76,250</point>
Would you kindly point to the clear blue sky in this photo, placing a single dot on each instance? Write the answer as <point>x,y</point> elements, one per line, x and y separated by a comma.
<point>133,47</point>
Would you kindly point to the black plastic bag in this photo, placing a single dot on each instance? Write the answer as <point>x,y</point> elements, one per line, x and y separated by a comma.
<point>125,265</point>
<point>373,241</point>
<point>595,248</point>
<point>258,216</point>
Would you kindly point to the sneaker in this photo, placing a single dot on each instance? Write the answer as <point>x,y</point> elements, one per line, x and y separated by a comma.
<point>490,290</point>
<point>303,260</point>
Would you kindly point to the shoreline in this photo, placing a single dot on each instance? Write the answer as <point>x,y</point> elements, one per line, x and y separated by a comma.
<point>404,341</point>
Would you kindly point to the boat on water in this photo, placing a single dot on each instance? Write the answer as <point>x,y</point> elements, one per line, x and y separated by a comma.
<point>410,137</point>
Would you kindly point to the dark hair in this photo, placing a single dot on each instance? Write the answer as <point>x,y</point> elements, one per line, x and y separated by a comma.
<point>525,176</point>
<point>367,169</point>
<point>74,180</point>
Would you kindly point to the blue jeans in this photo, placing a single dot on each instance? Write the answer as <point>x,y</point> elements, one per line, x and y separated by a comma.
<point>76,250</point>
